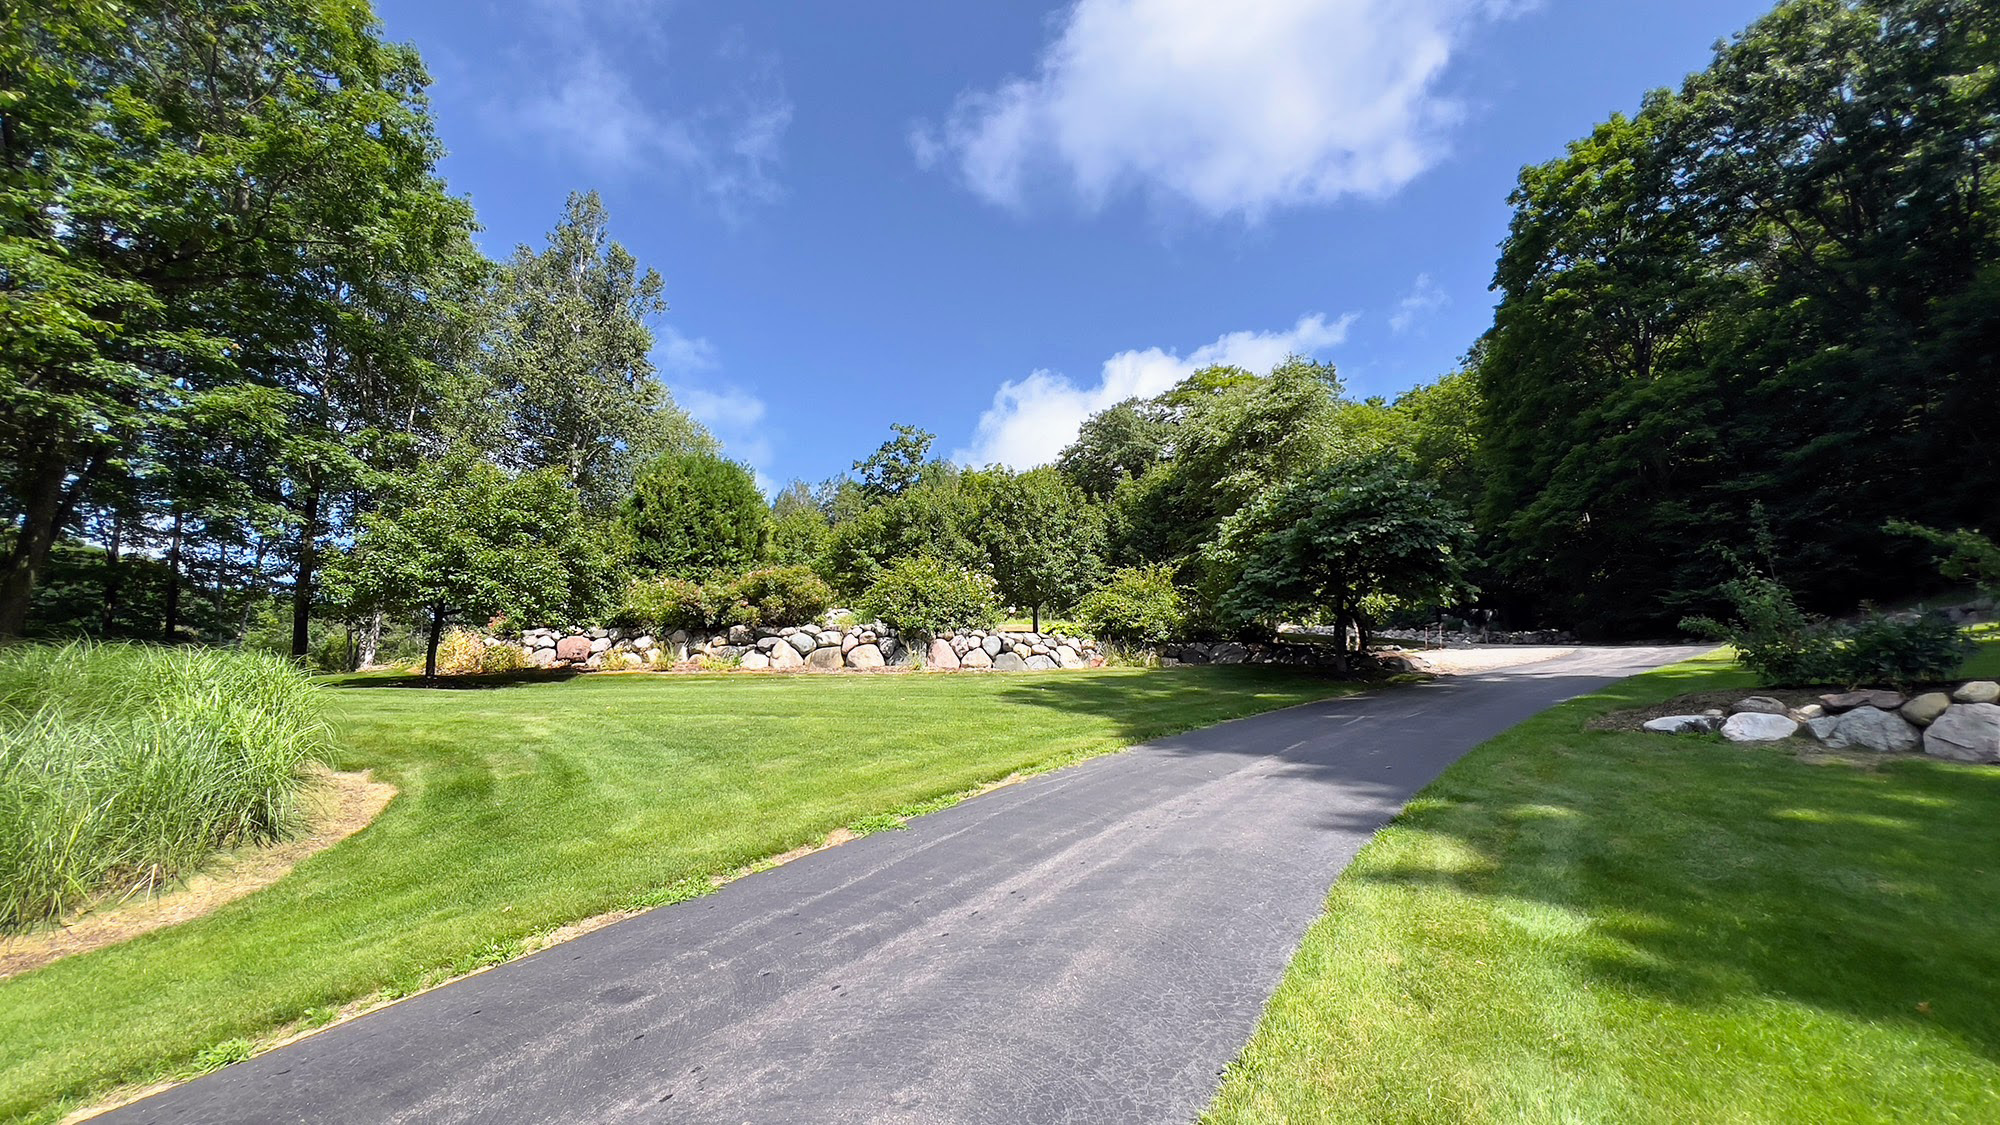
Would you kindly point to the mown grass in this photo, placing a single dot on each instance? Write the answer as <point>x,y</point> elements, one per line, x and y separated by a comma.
<point>526,804</point>
<point>1576,925</point>
<point>126,766</point>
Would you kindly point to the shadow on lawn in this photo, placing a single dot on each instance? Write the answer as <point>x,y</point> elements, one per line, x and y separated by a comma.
<point>1714,876</point>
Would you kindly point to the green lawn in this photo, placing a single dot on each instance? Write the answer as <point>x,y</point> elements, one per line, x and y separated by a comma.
<point>527,805</point>
<point>1589,926</point>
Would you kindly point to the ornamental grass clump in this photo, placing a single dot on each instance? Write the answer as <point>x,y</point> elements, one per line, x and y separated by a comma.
<point>126,766</point>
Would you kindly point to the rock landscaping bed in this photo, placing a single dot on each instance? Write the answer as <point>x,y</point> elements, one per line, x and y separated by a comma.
<point>829,647</point>
<point>1958,722</point>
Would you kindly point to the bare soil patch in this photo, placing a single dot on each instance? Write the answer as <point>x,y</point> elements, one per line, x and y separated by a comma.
<point>338,806</point>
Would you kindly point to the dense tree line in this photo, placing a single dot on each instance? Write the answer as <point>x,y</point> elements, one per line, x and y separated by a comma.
<point>240,309</point>
<point>1775,290</point>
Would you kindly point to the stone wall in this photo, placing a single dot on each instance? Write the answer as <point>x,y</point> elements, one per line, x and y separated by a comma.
<point>817,647</point>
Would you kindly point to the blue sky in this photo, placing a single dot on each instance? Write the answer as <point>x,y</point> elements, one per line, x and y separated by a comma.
<point>990,221</point>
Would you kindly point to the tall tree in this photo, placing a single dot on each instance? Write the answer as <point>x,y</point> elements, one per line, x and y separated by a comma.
<point>569,356</point>
<point>195,195</point>
<point>1045,539</point>
<point>1777,286</point>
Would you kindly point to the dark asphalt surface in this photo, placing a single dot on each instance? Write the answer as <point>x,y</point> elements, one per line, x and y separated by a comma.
<point>1091,946</point>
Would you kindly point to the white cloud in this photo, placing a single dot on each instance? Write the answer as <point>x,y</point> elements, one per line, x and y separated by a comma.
<point>1232,108</point>
<point>735,416</point>
<point>726,409</point>
<point>680,354</point>
<point>1423,298</point>
<point>1033,418</point>
<point>587,91</point>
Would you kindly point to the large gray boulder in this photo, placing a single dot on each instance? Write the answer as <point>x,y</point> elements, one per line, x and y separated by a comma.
<point>802,643</point>
<point>1872,728</point>
<point>784,658</point>
<point>1040,663</point>
<point>1009,662</point>
<point>1966,732</point>
<point>865,657</point>
<point>1924,709</point>
<point>977,660</point>
<point>755,661</point>
<point>1821,727</point>
<point>1231,653</point>
<point>992,644</point>
<point>1681,724</point>
<point>1978,691</point>
<point>1068,657</point>
<point>1760,705</point>
<point>824,660</point>
<point>742,636</point>
<point>1758,726</point>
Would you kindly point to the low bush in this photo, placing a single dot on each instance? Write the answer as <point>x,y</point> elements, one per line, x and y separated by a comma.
<point>925,597</point>
<point>461,652</point>
<point>778,595</point>
<point>126,766</point>
<point>666,604</point>
<point>1138,605</point>
<point>1787,647</point>
<point>503,658</point>
<point>1903,651</point>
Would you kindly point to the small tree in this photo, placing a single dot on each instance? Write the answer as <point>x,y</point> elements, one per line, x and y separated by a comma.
<point>1356,530</point>
<point>462,540</point>
<point>1045,539</point>
<point>693,514</point>
<point>1137,605</point>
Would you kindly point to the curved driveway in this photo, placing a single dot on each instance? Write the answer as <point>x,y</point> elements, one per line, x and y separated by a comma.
<point>1092,945</point>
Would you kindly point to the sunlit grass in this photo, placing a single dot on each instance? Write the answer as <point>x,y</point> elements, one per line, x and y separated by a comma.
<point>1576,925</point>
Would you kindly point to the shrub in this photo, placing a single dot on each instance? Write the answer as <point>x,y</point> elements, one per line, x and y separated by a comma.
<point>778,595</point>
<point>503,658</point>
<point>125,766</point>
<point>1138,605</point>
<point>925,597</point>
<point>461,652</point>
<point>1772,636</point>
<point>1900,652</point>
<point>668,604</point>
<point>622,661</point>
<point>1787,647</point>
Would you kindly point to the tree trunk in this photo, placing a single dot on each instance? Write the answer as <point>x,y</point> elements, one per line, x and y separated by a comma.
<point>431,648</point>
<point>42,499</point>
<point>371,639</point>
<point>1035,616</point>
<point>253,593</point>
<point>173,622</point>
<point>302,586</point>
<point>113,576</point>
